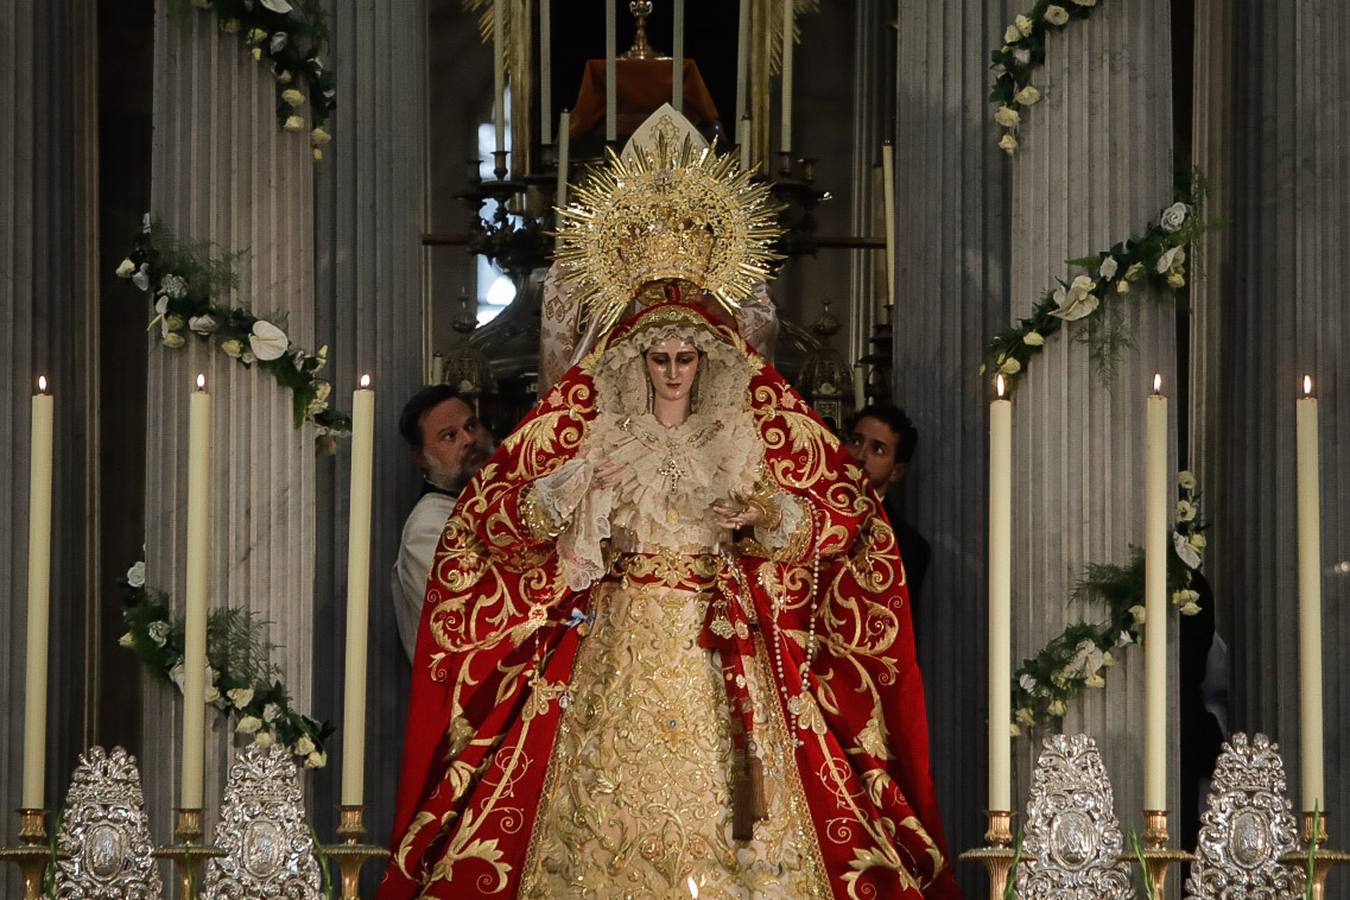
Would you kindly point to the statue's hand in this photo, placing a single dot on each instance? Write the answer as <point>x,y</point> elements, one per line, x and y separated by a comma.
<point>608,472</point>
<point>736,512</point>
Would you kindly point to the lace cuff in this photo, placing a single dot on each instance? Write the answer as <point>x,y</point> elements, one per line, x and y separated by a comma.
<point>563,506</point>
<point>787,531</point>
<point>550,502</point>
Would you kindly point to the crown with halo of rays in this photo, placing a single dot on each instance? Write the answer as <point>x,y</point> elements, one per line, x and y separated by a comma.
<point>665,214</point>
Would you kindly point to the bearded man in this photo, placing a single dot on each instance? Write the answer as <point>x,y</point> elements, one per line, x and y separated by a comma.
<point>449,445</point>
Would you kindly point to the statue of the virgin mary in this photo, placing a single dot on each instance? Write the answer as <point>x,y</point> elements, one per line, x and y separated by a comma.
<point>666,646</point>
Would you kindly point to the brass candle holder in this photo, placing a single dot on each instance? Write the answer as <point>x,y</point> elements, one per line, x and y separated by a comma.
<point>189,854</point>
<point>351,854</point>
<point>997,857</point>
<point>1322,859</point>
<point>33,854</point>
<point>1156,855</point>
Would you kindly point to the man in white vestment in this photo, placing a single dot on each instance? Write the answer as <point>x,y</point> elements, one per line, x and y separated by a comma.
<point>449,445</point>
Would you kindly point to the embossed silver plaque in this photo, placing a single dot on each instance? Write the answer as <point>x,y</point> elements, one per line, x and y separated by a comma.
<point>105,833</point>
<point>269,851</point>
<point>1071,845</point>
<point>1247,825</point>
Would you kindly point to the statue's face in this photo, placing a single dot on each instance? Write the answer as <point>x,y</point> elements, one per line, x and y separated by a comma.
<point>672,366</point>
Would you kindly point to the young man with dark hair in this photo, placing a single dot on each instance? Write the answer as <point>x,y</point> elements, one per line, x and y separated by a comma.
<point>882,439</point>
<point>448,446</point>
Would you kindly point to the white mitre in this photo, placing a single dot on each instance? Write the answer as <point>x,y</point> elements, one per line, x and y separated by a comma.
<point>561,342</point>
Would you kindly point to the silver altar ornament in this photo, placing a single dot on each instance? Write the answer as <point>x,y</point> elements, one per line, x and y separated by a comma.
<point>268,846</point>
<point>1247,826</point>
<point>1071,848</point>
<point>105,834</point>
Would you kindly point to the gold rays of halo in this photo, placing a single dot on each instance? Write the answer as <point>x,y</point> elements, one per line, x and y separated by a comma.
<point>674,214</point>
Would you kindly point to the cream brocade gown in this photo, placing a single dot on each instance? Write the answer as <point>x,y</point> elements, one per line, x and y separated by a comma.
<point>637,799</point>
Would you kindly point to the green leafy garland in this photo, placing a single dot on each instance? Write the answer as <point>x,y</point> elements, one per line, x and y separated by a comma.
<point>243,681</point>
<point>290,35</point>
<point>1022,53</point>
<point>186,280</point>
<point>1044,685</point>
<point>1096,297</point>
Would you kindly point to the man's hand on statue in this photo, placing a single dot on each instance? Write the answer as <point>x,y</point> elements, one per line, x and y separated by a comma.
<point>607,474</point>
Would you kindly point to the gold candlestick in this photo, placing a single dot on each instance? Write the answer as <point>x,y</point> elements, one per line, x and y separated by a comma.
<point>998,855</point>
<point>1322,859</point>
<point>189,854</point>
<point>351,854</point>
<point>34,853</point>
<point>1156,856</point>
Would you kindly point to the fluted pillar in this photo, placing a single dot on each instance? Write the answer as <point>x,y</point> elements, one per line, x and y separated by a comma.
<point>369,210</point>
<point>951,296</point>
<point>1094,167</point>
<point>47,316</point>
<point>1290,227</point>
<point>223,171</point>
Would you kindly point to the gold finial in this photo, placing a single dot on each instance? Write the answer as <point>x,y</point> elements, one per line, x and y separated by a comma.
<point>640,9</point>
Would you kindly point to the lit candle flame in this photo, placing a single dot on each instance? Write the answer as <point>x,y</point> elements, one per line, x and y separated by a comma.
<point>42,384</point>
<point>1157,382</point>
<point>1307,385</point>
<point>365,381</point>
<point>1000,385</point>
<point>201,382</point>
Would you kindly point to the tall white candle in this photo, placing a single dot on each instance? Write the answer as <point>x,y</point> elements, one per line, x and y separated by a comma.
<point>677,60</point>
<point>786,127</point>
<point>564,160</point>
<point>1000,600</point>
<point>742,60</point>
<point>743,142</point>
<point>39,593</point>
<point>611,72</point>
<point>859,387</point>
<point>358,595</point>
<point>545,72</point>
<point>499,70</point>
<point>195,598</point>
<point>888,198</point>
<point>1310,600</point>
<point>1155,599</point>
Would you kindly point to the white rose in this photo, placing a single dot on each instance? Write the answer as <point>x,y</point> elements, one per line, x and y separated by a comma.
<point>1108,268</point>
<point>1094,681</point>
<point>1107,659</point>
<point>1033,339</point>
<point>247,358</point>
<point>294,123</point>
<point>232,347</point>
<point>264,739</point>
<point>270,712</point>
<point>1184,596</point>
<point>1027,682</point>
<point>293,98</point>
<point>1025,716</point>
<point>1197,541</point>
<point>304,746</point>
<point>125,268</point>
<point>173,340</point>
<point>1007,116</point>
<point>142,277</point>
<point>240,697</point>
<point>1022,55</point>
<point>278,42</point>
<point>318,137</point>
<point>1170,259</point>
<point>171,323</point>
<point>1134,272</point>
<point>267,340</point>
<point>1012,35</point>
<point>1056,15</point>
<point>1125,639</point>
<point>1185,551</point>
<point>285,76</point>
<point>1013,729</point>
<point>1086,2</point>
<point>127,640</point>
<point>1185,510</point>
<point>1024,25</point>
<point>248,725</point>
<point>1189,609</point>
<point>203,324</point>
<point>1174,217</point>
<point>1027,96</point>
<point>1056,708</point>
<point>230,26</point>
<point>1008,143</point>
<point>158,631</point>
<point>173,285</point>
<point>136,575</point>
<point>316,760</point>
<point>317,154</point>
<point>1176,279</point>
<point>1138,612</point>
<point>1186,480</point>
<point>212,693</point>
<point>1010,366</point>
<point>176,675</point>
<point>1123,286</point>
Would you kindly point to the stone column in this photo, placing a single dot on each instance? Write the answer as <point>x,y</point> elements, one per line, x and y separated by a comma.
<point>951,296</point>
<point>1094,167</point>
<point>1290,226</point>
<point>369,206</point>
<point>223,171</point>
<point>47,318</point>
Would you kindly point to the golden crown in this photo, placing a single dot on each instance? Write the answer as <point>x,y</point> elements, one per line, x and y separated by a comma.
<point>686,215</point>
